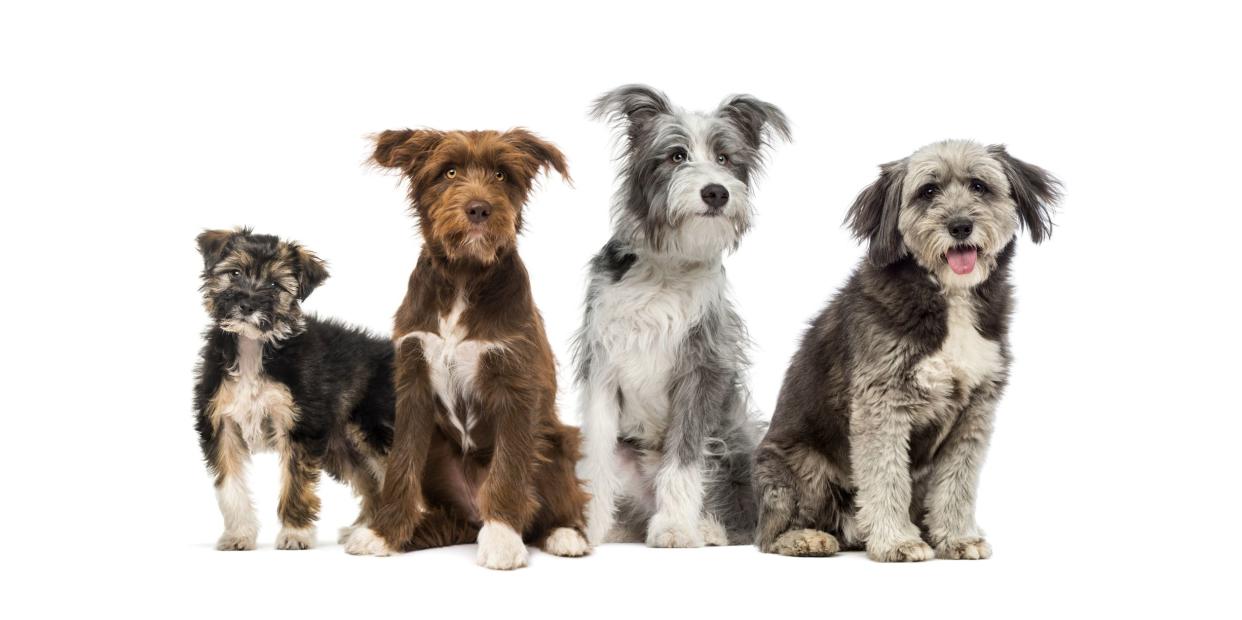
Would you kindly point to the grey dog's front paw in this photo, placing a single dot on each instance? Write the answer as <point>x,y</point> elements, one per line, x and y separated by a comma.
<point>669,534</point>
<point>970,548</point>
<point>902,550</point>
<point>805,543</point>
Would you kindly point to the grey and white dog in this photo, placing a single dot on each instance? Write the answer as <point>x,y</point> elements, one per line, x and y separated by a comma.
<point>886,410</point>
<point>661,355</point>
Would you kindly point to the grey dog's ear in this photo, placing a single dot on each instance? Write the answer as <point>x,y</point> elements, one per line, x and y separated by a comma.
<point>1033,189</point>
<point>630,106</point>
<point>759,120</point>
<point>312,271</point>
<point>214,244</point>
<point>873,216</point>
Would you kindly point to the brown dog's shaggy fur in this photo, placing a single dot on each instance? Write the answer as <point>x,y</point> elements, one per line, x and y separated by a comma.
<point>478,450</point>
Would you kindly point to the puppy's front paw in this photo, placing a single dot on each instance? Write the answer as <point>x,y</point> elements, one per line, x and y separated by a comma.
<point>237,541</point>
<point>295,538</point>
<point>364,541</point>
<point>901,550</point>
<point>971,548</point>
<point>714,534</point>
<point>500,547</point>
<point>805,543</point>
<point>669,535</point>
<point>566,542</point>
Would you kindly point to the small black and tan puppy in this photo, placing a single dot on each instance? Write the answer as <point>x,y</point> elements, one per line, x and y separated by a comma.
<point>318,393</point>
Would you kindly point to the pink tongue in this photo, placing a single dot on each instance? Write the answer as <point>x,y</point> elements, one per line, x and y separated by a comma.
<point>962,260</point>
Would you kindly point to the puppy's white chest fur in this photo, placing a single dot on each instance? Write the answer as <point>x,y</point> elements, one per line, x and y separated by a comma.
<point>262,409</point>
<point>965,356</point>
<point>641,322</point>
<point>453,363</point>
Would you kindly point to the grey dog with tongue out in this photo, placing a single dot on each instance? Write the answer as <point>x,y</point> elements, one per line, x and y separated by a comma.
<point>886,411</point>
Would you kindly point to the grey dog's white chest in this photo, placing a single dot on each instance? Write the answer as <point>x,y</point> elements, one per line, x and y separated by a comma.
<point>453,364</point>
<point>965,359</point>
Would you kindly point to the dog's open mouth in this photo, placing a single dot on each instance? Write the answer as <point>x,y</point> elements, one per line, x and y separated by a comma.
<point>962,259</point>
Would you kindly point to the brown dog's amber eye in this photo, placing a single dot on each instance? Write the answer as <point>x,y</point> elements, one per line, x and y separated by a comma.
<point>450,173</point>
<point>500,176</point>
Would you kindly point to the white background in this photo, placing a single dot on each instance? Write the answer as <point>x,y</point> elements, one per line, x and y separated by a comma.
<point>1112,484</point>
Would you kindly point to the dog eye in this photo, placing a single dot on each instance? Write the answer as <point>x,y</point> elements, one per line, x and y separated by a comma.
<point>722,159</point>
<point>500,175</point>
<point>235,273</point>
<point>451,172</point>
<point>978,187</point>
<point>930,190</point>
<point>274,285</point>
<point>678,157</point>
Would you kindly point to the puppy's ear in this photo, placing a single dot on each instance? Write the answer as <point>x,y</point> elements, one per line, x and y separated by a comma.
<point>214,245</point>
<point>630,106</point>
<point>404,148</point>
<point>1033,189</point>
<point>874,215</point>
<point>544,153</point>
<point>759,120</point>
<point>312,271</point>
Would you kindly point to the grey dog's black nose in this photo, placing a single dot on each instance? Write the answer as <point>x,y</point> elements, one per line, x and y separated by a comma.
<point>961,228</point>
<point>478,211</point>
<point>715,195</point>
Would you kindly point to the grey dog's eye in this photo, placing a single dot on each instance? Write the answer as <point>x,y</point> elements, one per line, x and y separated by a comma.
<point>678,157</point>
<point>722,159</point>
<point>978,186</point>
<point>929,191</point>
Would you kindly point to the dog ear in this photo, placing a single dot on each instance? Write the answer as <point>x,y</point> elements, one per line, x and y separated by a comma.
<point>759,120</point>
<point>312,271</point>
<point>1033,189</point>
<point>404,148</point>
<point>215,244</point>
<point>541,151</point>
<point>874,215</point>
<point>630,106</point>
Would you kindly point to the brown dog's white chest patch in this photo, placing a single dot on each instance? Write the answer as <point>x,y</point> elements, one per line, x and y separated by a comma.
<point>263,409</point>
<point>453,364</point>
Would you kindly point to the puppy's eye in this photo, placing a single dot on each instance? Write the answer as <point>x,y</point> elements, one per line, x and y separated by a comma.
<point>500,175</point>
<point>978,186</point>
<point>274,285</point>
<point>450,173</point>
<point>929,191</point>
<point>722,159</point>
<point>235,273</point>
<point>678,157</point>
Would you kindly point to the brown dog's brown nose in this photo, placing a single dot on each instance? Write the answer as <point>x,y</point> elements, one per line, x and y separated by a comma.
<point>478,211</point>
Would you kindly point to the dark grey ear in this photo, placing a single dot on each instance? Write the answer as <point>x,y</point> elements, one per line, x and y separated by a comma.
<point>214,245</point>
<point>1034,190</point>
<point>873,216</point>
<point>759,120</point>
<point>312,271</point>
<point>630,105</point>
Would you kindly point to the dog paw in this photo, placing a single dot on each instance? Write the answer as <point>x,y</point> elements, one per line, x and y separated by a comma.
<point>500,547</point>
<point>295,538</point>
<point>805,543</point>
<point>364,541</point>
<point>713,533</point>
<point>673,535</point>
<point>971,548</point>
<point>902,550</point>
<point>343,534</point>
<point>237,541</point>
<point>566,542</point>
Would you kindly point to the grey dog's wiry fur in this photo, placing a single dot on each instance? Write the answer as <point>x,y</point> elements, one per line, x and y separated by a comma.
<point>886,411</point>
<point>661,353</point>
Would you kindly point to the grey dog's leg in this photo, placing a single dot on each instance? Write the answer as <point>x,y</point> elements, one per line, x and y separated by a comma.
<point>953,481</point>
<point>879,453</point>
<point>797,502</point>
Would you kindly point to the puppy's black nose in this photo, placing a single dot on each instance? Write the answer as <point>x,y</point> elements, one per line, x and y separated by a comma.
<point>246,306</point>
<point>715,195</point>
<point>961,228</point>
<point>478,211</point>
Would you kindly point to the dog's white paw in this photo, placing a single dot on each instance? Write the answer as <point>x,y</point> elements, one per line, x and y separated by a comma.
<point>566,542</point>
<point>295,538</point>
<point>669,534</point>
<point>714,534</point>
<point>500,547</point>
<point>900,550</point>
<point>237,541</point>
<point>970,548</point>
<point>364,541</point>
<point>805,543</point>
<point>343,534</point>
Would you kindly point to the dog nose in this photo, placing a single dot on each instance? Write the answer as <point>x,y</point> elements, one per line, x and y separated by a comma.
<point>715,195</point>
<point>246,306</point>
<point>478,211</point>
<point>961,228</point>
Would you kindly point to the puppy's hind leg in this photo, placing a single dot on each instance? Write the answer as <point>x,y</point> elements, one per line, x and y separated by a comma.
<point>229,457</point>
<point>790,507</point>
<point>299,504</point>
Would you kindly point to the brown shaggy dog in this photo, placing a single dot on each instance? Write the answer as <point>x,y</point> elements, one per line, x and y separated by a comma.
<point>478,451</point>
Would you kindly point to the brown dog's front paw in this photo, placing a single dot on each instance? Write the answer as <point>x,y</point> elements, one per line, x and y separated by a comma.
<point>904,550</point>
<point>364,541</point>
<point>295,538</point>
<point>501,547</point>
<point>566,542</point>
<point>970,548</point>
<point>805,543</point>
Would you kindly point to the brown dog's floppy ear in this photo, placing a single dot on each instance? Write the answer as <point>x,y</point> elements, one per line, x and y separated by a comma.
<point>404,148</point>
<point>215,244</point>
<point>1033,189</point>
<point>874,215</point>
<point>312,271</point>
<point>541,151</point>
